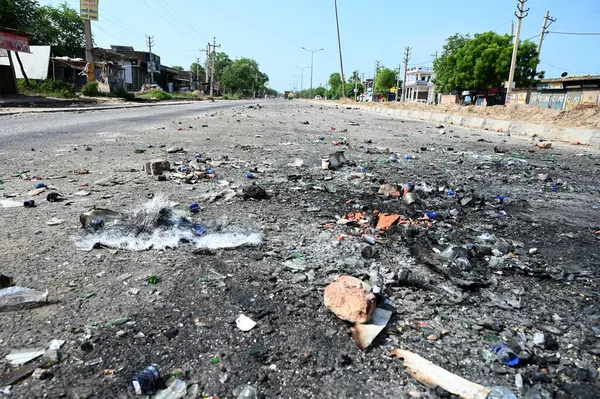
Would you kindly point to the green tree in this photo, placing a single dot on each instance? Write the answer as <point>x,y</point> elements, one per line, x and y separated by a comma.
<point>242,76</point>
<point>198,69</point>
<point>222,62</point>
<point>386,79</point>
<point>335,86</point>
<point>19,14</point>
<point>60,27</point>
<point>483,62</point>
<point>179,68</point>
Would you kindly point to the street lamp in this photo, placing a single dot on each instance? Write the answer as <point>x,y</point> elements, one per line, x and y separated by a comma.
<point>301,76</point>
<point>295,81</point>
<point>312,56</point>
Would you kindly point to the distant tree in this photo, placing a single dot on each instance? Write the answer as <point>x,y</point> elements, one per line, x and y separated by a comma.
<point>242,76</point>
<point>386,79</point>
<point>335,86</point>
<point>198,69</point>
<point>222,61</point>
<point>483,62</point>
<point>179,68</point>
<point>318,91</point>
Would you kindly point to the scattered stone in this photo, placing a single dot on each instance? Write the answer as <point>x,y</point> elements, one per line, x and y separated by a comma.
<point>157,167</point>
<point>350,299</point>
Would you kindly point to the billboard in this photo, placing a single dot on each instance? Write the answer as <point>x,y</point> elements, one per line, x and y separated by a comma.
<point>14,42</point>
<point>88,9</point>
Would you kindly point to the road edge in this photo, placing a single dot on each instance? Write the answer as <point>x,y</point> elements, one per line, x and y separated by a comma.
<point>589,137</point>
<point>99,108</point>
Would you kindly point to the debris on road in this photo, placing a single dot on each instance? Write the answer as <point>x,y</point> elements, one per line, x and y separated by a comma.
<point>364,334</point>
<point>434,376</point>
<point>245,323</point>
<point>156,225</point>
<point>17,295</point>
<point>350,299</point>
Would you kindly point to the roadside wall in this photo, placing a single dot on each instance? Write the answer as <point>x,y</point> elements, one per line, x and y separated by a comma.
<point>550,132</point>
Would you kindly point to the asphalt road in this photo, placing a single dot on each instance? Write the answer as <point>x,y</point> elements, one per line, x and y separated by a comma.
<point>41,130</point>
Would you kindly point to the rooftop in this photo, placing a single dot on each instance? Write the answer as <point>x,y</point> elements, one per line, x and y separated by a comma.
<point>420,69</point>
<point>572,78</point>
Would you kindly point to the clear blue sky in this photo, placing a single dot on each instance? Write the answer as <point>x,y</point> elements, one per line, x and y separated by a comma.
<point>273,31</point>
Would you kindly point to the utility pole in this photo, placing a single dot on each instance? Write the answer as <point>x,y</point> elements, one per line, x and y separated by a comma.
<point>512,29</point>
<point>406,59</point>
<point>340,47</point>
<point>434,55</point>
<point>197,71</point>
<point>150,42</point>
<point>355,85</point>
<point>89,56</point>
<point>375,81</point>
<point>312,57</point>
<point>513,63</point>
<point>544,31</point>
<point>547,22</point>
<point>212,68</point>
<point>301,77</point>
<point>207,67</point>
<point>398,82</point>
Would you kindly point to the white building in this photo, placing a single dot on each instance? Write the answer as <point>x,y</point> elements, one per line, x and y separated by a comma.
<point>419,84</point>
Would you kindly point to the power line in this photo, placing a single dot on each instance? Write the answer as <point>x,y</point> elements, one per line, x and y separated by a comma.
<point>169,9</point>
<point>577,33</point>
<point>160,15</point>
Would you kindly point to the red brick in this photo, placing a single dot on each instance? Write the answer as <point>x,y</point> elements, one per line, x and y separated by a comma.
<point>350,299</point>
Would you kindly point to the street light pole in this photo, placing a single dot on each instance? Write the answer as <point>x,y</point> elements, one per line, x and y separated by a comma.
<point>312,56</point>
<point>301,77</point>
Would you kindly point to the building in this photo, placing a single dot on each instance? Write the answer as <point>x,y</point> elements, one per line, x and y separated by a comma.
<point>138,67</point>
<point>561,93</point>
<point>419,84</point>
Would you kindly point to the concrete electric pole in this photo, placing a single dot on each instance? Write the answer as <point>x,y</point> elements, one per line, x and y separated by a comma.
<point>212,67</point>
<point>406,59</point>
<point>89,56</point>
<point>398,82</point>
<point>547,22</point>
<point>340,47</point>
<point>150,42</point>
<point>377,63</point>
<point>206,65</point>
<point>513,63</point>
<point>312,57</point>
<point>197,71</point>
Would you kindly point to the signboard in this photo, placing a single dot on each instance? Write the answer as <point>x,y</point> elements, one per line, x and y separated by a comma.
<point>14,42</point>
<point>88,9</point>
<point>550,86</point>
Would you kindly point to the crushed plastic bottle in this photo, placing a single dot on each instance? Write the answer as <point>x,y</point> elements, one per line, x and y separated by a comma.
<point>501,393</point>
<point>449,253</point>
<point>175,390</point>
<point>245,392</point>
<point>506,356</point>
<point>17,295</point>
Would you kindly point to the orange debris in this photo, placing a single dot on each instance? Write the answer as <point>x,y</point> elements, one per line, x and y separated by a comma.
<point>386,221</point>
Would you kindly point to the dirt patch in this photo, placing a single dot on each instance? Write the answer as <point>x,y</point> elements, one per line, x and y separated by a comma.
<point>588,118</point>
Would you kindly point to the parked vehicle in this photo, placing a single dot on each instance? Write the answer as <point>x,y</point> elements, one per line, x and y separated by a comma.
<point>318,97</point>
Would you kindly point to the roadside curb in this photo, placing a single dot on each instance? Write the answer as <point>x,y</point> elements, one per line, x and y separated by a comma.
<point>571,135</point>
<point>96,108</point>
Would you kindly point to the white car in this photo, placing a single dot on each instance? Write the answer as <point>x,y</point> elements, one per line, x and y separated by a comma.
<point>317,97</point>
<point>421,101</point>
